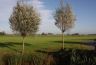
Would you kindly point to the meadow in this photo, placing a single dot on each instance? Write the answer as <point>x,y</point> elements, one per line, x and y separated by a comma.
<point>13,43</point>
<point>45,50</point>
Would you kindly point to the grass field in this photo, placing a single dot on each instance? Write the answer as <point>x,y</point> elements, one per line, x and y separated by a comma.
<point>33,43</point>
<point>43,50</point>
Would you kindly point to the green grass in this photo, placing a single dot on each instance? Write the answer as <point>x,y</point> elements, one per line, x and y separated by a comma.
<point>33,43</point>
<point>42,44</point>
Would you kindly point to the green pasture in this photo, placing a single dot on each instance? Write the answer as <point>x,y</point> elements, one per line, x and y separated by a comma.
<point>35,43</point>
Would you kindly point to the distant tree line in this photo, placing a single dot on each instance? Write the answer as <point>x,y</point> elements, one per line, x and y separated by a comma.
<point>2,33</point>
<point>47,33</point>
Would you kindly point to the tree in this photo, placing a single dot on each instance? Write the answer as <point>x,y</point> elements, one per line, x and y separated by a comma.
<point>64,19</point>
<point>24,20</point>
<point>2,33</point>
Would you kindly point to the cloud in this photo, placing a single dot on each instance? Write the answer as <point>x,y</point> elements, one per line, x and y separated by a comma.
<point>39,5</point>
<point>1,29</point>
<point>6,7</point>
<point>47,21</point>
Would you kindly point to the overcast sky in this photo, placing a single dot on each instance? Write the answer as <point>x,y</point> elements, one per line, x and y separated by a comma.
<point>85,11</point>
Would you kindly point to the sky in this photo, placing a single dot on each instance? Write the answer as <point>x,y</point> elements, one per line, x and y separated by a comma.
<point>84,10</point>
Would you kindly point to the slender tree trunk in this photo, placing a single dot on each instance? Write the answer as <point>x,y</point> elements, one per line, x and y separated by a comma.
<point>23,45</point>
<point>22,53</point>
<point>62,40</point>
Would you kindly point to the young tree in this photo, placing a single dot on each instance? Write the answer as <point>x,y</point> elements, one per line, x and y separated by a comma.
<point>64,19</point>
<point>24,20</point>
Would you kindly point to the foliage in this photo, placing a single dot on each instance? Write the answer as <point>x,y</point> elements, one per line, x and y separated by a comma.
<point>61,57</point>
<point>17,59</point>
<point>64,18</point>
<point>2,33</point>
<point>24,19</point>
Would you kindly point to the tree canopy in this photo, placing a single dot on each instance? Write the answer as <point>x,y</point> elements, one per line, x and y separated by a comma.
<point>64,18</point>
<point>24,19</point>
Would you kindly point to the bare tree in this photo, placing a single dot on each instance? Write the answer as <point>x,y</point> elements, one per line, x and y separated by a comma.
<point>64,19</point>
<point>24,20</point>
